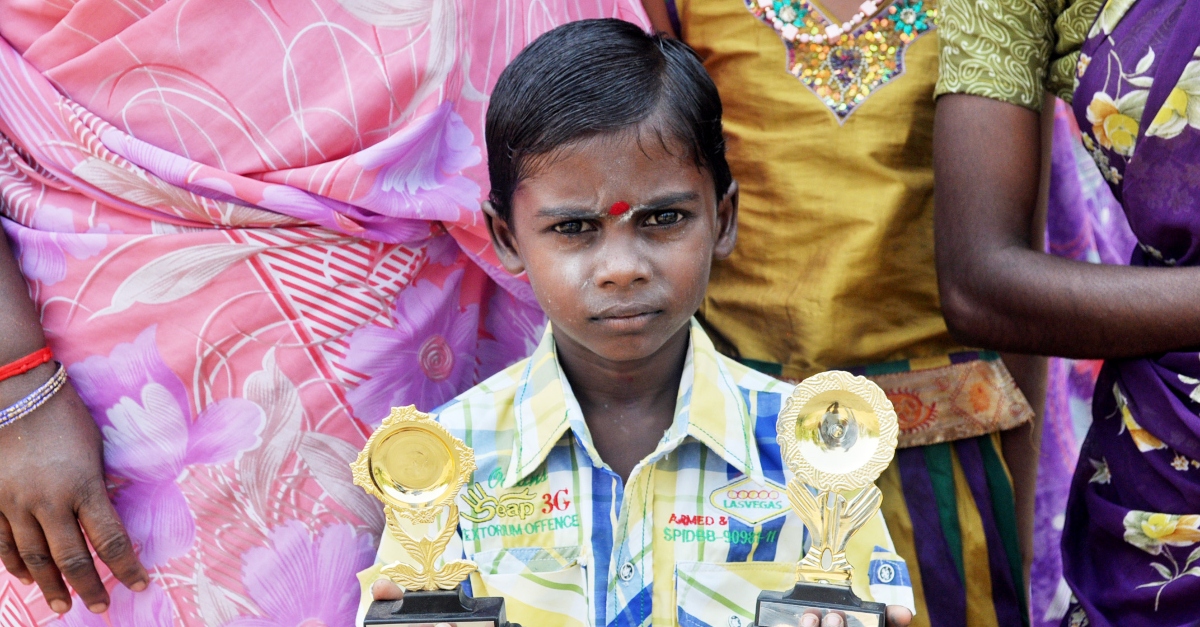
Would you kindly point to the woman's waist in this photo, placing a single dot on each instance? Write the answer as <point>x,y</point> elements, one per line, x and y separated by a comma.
<point>1158,395</point>
<point>815,322</point>
<point>941,391</point>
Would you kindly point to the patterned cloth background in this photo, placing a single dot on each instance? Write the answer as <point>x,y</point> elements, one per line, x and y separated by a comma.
<point>251,227</point>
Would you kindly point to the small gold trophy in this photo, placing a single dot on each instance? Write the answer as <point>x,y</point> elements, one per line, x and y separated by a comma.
<point>837,433</point>
<point>416,468</point>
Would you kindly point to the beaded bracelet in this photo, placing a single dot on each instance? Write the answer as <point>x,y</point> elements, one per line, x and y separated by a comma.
<point>36,399</point>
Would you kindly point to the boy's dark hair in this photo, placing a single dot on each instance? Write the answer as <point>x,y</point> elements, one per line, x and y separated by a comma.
<point>592,77</point>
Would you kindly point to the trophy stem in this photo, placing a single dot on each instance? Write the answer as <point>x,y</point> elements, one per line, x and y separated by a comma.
<point>425,552</point>
<point>813,569</point>
<point>831,521</point>
<point>825,562</point>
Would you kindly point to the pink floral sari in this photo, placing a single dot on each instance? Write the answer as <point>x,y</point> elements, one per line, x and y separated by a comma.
<point>251,227</point>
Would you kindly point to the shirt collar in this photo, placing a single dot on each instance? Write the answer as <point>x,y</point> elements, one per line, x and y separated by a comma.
<point>710,409</point>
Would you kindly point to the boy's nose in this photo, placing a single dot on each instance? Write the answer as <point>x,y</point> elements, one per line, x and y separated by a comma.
<point>619,264</point>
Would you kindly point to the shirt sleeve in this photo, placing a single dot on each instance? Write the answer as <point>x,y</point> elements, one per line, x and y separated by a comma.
<point>880,574</point>
<point>1072,28</point>
<point>999,49</point>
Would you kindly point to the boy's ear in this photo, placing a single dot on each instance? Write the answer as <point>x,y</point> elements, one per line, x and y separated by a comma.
<point>503,240</point>
<point>727,210</point>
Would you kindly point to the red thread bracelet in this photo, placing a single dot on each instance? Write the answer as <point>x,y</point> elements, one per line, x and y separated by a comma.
<point>26,363</point>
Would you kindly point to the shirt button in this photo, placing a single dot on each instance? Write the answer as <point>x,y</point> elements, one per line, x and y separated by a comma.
<point>626,572</point>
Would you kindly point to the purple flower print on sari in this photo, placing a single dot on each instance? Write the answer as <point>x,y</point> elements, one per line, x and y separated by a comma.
<point>301,581</point>
<point>43,249</point>
<point>424,360</point>
<point>150,437</point>
<point>517,328</point>
<point>151,607</point>
<point>442,250</point>
<point>419,170</point>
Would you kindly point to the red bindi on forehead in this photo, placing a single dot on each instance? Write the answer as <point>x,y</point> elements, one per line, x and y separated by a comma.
<point>618,208</point>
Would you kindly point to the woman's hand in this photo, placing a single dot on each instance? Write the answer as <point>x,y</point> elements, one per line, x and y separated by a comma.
<point>52,473</point>
<point>897,616</point>
<point>51,486</point>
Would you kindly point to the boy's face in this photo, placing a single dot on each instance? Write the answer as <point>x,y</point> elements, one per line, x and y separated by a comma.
<point>618,284</point>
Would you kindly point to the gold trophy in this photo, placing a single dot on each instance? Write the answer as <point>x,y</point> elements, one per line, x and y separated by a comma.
<point>416,468</point>
<point>837,433</point>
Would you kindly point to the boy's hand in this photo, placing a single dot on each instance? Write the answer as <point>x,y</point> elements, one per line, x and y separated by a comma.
<point>386,590</point>
<point>897,616</point>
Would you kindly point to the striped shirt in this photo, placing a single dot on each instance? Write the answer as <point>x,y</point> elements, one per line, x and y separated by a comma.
<point>701,527</point>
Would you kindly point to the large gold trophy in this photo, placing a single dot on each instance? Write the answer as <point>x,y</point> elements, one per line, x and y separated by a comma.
<point>416,468</point>
<point>837,433</point>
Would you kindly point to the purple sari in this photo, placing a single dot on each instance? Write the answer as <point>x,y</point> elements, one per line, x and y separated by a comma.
<point>1131,545</point>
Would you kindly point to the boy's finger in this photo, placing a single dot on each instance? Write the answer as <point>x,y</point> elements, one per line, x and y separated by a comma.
<point>8,554</point>
<point>898,616</point>
<point>35,553</point>
<point>810,619</point>
<point>386,590</point>
<point>833,619</point>
<point>74,560</point>
<point>108,537</point>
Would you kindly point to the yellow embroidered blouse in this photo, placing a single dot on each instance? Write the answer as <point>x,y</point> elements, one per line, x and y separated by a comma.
<point>834,263</point>
<point>830,130</point>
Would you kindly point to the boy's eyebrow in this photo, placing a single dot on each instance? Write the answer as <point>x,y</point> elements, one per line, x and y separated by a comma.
<point>570,213</point>
<point>666,201</point>
<point>578,212</point>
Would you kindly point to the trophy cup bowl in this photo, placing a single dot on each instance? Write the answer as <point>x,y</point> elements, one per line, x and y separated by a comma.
<point>416,468</point>
<point>837,433</point>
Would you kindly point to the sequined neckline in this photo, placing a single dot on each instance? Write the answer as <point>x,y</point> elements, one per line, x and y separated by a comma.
<point>843,64</point>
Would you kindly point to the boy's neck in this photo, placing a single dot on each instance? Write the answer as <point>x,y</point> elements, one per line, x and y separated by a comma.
<point>626,405</point>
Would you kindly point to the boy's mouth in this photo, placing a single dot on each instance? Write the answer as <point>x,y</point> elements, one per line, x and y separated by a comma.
<point>626,318</point>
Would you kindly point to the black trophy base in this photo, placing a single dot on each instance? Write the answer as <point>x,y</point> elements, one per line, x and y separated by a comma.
<point>784,609</point>
<point>441,606</point>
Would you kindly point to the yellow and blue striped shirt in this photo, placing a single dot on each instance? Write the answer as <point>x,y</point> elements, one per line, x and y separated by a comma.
<point>701,528</point>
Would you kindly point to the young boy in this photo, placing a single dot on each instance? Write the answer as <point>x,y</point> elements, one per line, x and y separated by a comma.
<point>627,473</point>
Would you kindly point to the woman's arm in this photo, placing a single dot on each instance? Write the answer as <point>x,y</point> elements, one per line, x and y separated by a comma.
<point>52,474</point>
<point>998,293</point>
<point>656,10</point>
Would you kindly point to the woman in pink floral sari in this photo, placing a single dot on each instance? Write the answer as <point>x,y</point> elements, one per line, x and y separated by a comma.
<point>248,228</point>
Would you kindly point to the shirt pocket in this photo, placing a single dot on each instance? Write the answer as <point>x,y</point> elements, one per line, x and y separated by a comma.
<point>724,595</point>
<point>541,587</point>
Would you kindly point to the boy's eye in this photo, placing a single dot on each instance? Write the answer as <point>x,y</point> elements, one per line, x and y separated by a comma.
<point>663,218</point>
<point>570,227</point>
